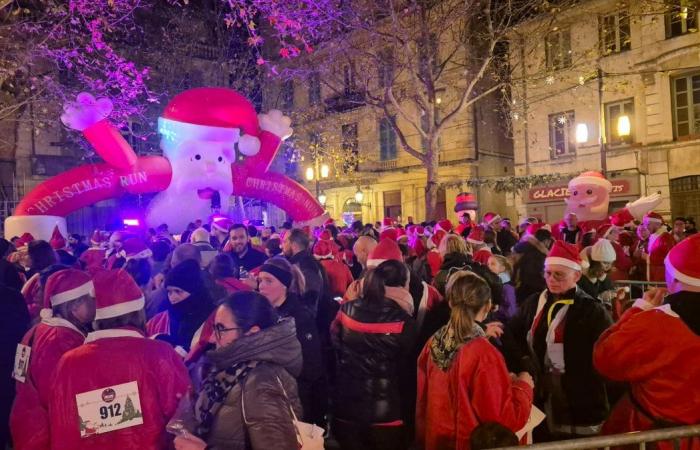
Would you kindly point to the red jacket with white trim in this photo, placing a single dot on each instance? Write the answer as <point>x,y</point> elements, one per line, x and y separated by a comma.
<point>110,358</point>
<point>339,276</point>
<point>658,354</point>
<point>29,419</point>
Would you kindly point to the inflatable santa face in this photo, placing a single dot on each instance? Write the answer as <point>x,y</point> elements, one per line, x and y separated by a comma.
<point>589,196</point>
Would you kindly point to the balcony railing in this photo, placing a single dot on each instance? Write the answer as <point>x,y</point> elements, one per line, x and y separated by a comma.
<point>345,102</point>
<point>201,51</point>
<point>378,166</point>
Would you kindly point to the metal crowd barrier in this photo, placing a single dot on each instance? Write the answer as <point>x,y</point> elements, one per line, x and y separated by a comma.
<point>640,438</point>
<point>643,285</point>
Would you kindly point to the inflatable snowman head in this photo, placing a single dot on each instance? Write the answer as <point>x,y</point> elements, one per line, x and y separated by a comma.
<point>201,129</point>
<point>589,196</point>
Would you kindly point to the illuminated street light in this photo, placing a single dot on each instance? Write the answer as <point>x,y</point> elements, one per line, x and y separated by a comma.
<point>359,195</point>
<point>581,133</point>
<point>624,127</point>
<point>309,173</point>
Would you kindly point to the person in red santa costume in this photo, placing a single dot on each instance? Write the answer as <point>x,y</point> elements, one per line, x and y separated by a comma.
<point>655,348</point>
<point>660,243</point>
<point>480,251</point>
<point>339,276</point>
<point>70,308</point>
<point>589,199</point>
<point>119,389</point>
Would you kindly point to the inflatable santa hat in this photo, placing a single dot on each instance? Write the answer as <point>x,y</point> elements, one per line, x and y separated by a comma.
<point>563,254</point>
<point>682,261</point>
<point>386,250</point>
<point>591,177</point>
<point>57,241</point>
<point>116,294</point>
<point>465,201</point>
<point>65,286</point>
<point>217,114</point>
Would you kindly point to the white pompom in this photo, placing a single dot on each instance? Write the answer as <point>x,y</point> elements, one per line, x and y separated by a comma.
<point>46,313</point>
<point>249,145</point>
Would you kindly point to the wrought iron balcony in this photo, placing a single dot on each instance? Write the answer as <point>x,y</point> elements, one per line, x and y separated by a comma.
<point>345,102</point>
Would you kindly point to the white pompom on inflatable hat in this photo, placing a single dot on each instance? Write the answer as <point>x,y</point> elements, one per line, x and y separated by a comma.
<point>591,177</point>
<point>217,114</point>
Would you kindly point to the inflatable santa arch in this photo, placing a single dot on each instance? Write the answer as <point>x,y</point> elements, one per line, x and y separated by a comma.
<point>201,132</point>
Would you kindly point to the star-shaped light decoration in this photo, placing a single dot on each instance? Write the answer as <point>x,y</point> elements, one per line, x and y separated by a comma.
<point>549,80</point>
<point>562,120</point>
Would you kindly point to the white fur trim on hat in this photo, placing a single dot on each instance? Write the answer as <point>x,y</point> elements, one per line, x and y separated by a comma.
<point>73,294</point>
<point>120,309</point>
<point>653,219</point>
<point>375,262</point>
<point>495,218</point>
<point>173,130</point>
<point>474,241</point>
<point>680,276</point>
<point>143,254</point>
<point>328,256</point>
<point>587,179</point>
<point>556,260</point>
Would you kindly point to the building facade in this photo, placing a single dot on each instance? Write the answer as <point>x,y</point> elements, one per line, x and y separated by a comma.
<point>612,86</point>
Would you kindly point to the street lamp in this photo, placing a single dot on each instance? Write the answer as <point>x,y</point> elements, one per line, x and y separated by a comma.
<point>317,172</point>
<point>309,173</point>
<point>325,171</point>
<point>322,198</point>
<point>359,195</point>
<point>581,133</point>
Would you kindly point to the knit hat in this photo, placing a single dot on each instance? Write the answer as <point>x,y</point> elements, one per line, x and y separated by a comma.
<point>603,251</point>
<point>57,241</point>
<point>491,217</point>
<point>476,236</point>
<point>187,276</point>
<point>24,240</point>
<point>212,114</point>
<point>388,233</point>
<point>444,225</point>
<point>134,248</point>
<point>591,177</point>
<point>682,261</point>
<point>65,286</point>
<point>116,294</point>
<point>563,254</point>
<point>324,249</point>
<point>465,201</point>
<point>384,251</point>
<point>654,217</point>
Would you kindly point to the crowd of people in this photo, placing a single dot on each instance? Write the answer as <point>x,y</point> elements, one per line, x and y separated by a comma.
<point>387,336</point>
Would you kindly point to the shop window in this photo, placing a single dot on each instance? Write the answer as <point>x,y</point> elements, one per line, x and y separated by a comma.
<point>686,105</point>
<point>615,33</point>
<point>562,136</point>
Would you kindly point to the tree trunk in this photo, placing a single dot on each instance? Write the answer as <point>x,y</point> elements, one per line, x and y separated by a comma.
<point>431,187</point>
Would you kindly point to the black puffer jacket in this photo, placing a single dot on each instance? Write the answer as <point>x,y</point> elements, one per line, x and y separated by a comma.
<point>374,343</point>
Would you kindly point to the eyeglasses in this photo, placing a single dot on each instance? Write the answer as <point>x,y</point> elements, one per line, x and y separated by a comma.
<point>559,276</point>
<point>220,329</point>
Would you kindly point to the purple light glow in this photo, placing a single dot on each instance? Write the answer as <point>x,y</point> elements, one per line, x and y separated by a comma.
<point>132,222</point>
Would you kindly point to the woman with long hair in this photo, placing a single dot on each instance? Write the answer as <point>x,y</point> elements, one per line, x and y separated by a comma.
<point>245,398</point>
<point>462,379</point>
<point>374,339</point>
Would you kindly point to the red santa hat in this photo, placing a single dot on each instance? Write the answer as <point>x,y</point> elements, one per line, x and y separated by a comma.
<point>660,248</point>
<point>57,241</point>
<point>97,238</point>
<point>533,227</point>
<point>65,286</point>
<point>526,221</point>
<point>444,225</point>
<point>134,248</point>
<point>401,234</point>
<point>605,230</point>
<point>384,251</point>
<point>591,177</point>
<point>24,240</point>
<point>116,294</point>
<point>325,236</point>
<point>563,254</point>
<point>418,246</point>
<point>682,261</point>
<point>389,233</point>
<point>653,217</point>
<point>465,201</point>
<point>491,218</point>
<point>328,222</point>
<point>476,236</point>
<point>435,239</point>
<point>387,222</point>
<point>93,259</point>
<point>222,224</point>
<point>420,231</point>
<point>212,114</point>
<point>324,249</point>
<point>482,256</point>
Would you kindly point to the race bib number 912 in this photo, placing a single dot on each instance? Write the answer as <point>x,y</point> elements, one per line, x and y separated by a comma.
<point>109,409</point>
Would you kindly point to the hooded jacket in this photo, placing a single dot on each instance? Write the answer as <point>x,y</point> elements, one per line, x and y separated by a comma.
<point>268,421</point>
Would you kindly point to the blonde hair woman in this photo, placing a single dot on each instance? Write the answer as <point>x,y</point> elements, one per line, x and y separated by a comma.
<point>452,243</point>
<point>462,379</point>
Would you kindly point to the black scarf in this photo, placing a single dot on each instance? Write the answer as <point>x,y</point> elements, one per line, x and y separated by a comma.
<point>215,389</point>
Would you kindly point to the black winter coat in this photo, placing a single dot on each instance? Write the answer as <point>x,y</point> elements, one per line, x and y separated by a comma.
<point>586,320</point>
<point>527,271</point>
<point>375,341</point>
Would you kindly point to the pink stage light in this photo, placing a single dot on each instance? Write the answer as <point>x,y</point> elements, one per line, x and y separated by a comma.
<point>132,222</point>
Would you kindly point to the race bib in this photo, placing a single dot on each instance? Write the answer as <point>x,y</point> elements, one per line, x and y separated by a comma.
<point>109,409</point>
<point>21,362</point>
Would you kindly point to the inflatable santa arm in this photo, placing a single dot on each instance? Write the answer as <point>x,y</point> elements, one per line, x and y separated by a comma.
<point>635,210</point>
<point>275,128</point>
<point>88,115</point>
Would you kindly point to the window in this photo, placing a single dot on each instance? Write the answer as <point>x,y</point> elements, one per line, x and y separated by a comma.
<point>562,135</point>
<point>314,89</point>
<point>681,17</point>
<point>686,105</point>
<point>387,140</point>
<point>613,111</point>
<point>615,33</point>
<point>288,95</point>
<point>386,68</point>
<point>349,79</point>
<point>392,204</point>
<point>558,49</point>
<point>685,196</point>
<point>350,146</point>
